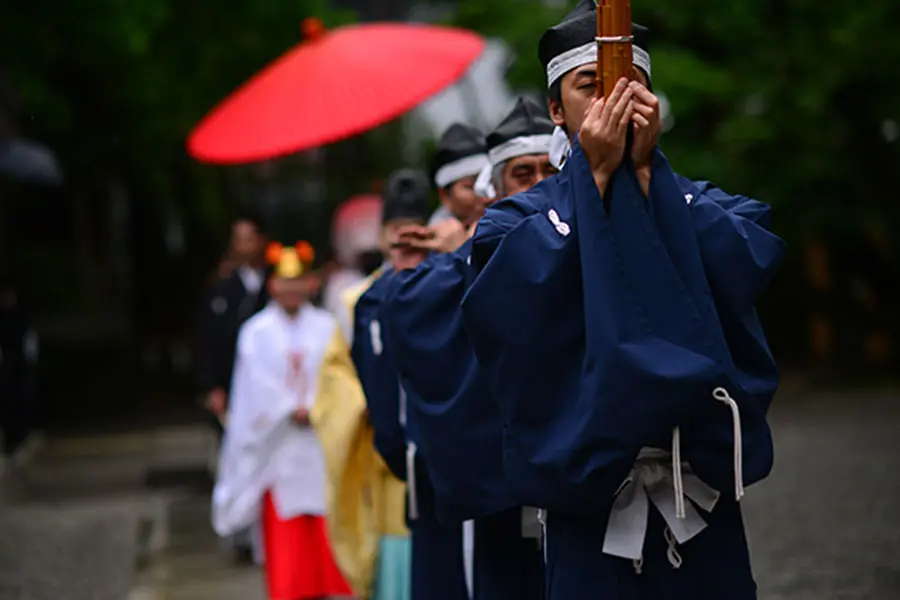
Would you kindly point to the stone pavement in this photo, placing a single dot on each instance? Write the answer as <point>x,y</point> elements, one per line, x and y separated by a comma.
<point>194,566</point>
<point>824,526</point>
<point>155,476</point>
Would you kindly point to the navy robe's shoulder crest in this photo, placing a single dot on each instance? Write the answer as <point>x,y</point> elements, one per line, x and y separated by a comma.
<point>549,200</point>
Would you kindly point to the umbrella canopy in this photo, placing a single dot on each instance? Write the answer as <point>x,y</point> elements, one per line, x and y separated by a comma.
<point>332,86</point>
<point>28,161</point>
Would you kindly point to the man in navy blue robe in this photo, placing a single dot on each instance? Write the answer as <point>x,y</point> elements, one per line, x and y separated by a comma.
<point>612,316</point>
<point>461,429</point>
<point>437,550</point>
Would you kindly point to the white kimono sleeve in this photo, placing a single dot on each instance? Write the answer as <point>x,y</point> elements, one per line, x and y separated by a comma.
<point>259,416</point>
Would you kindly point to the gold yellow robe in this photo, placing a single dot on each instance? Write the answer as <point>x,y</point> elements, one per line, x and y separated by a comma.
<point>366,501</point>
<point>390,492</point>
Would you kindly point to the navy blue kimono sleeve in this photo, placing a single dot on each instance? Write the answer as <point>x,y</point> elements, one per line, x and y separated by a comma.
<point>735,238</point>
<point>459,425</point>
<point>498,220</point>
<point>525,317</point>
<point>739,255</point>
<point>378,376</point>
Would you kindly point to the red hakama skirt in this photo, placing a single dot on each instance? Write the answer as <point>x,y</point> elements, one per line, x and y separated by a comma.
<point>299,562</point>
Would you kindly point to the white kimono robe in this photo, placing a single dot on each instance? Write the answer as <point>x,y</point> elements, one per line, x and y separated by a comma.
<point>263,449</point>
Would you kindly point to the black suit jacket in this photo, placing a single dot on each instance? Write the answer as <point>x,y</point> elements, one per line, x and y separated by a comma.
<point>224,308</point>
<point>17,381</point>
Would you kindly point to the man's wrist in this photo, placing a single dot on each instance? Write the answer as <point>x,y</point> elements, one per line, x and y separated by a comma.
<point>644,174</point>
<point>601,180</point>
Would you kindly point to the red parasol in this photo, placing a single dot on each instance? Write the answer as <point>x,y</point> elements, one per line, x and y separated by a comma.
<point>332,86</point>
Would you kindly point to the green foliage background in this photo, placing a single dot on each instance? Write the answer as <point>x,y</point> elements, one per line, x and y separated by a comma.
<point>782,100</point>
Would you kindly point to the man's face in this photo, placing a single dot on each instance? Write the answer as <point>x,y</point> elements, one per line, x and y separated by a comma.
<point>524,172</point>
<point>460,198</point>
<point>290,294</point>
<point>246,243</point>
<point>577,91</point>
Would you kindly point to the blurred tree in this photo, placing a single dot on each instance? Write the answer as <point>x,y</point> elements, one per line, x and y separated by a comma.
<point>519,23</point>
<point>115,87</point>
<point>792,102</point>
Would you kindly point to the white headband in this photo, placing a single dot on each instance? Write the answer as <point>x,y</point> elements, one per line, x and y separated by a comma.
<point>559,148</point>
<point>586,54</point>
<point>456,170</point>
<point>484,187</point>
<point>520,146</point>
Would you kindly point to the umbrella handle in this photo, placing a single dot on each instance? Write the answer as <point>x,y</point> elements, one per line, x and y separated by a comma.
<point>312,28</point>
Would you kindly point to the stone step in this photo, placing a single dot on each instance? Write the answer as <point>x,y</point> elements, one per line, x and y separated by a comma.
<point>101,482</point>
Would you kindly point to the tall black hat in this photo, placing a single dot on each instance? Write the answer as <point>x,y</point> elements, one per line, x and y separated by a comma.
<point>572,43</point>
<point>525,130</point>
<point>405,196</point>
<point>462,152</point>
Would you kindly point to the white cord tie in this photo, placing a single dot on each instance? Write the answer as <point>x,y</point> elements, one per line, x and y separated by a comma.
<point>721,394</point>
<point>666,481</point>
<point>672,554</point>
<point>672,550</point>
<point>411,480</point>
<point>401,416</point>
<point>652,480</point>
<point>468,546</point>
<point>677,474</point>
<point>542,519</point>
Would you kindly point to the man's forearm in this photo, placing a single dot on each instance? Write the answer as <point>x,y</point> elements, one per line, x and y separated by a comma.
<point>643,176</point>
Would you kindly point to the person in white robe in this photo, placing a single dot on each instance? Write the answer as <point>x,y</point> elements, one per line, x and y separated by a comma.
<point>271,465</point>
